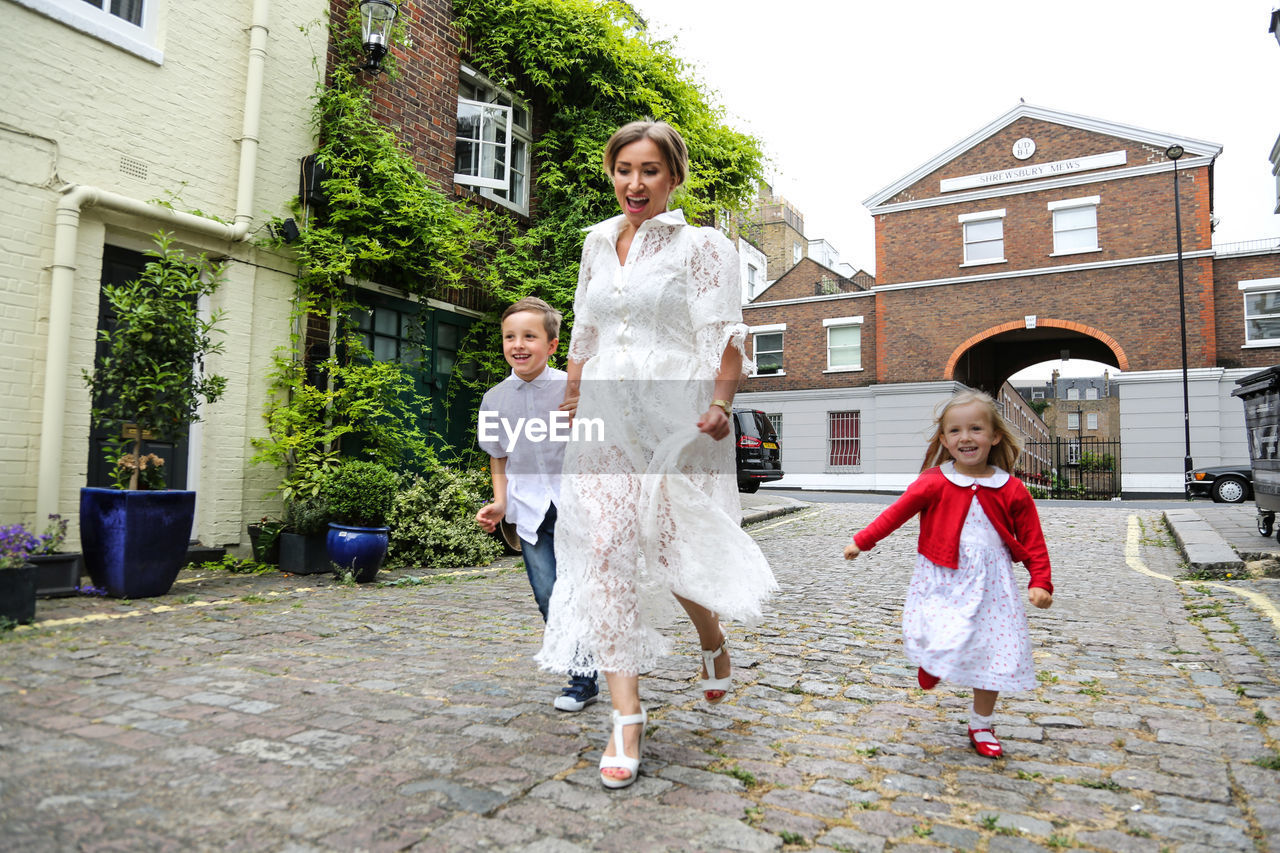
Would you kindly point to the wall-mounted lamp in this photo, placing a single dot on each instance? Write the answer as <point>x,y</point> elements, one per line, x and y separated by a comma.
<point>376,17</point>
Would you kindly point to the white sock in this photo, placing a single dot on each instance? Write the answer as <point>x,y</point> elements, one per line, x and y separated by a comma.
<point>977,721</point>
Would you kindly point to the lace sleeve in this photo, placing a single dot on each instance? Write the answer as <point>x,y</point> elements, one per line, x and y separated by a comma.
<point>715,301</point>
<point>584,340</point>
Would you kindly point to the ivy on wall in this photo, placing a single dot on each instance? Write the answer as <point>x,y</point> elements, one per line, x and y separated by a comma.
<point>585,68</point>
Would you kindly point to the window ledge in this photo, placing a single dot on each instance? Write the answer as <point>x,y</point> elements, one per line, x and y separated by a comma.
<point>1075,252</point>
<point>99,25</point>
<point>843,469</point>
<point>983,263</point>
<point>1261,344</point>
<point>763,375</point>
<point>843,370</point>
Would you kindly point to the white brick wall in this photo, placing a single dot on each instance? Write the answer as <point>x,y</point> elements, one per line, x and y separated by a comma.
<point>74,108</point>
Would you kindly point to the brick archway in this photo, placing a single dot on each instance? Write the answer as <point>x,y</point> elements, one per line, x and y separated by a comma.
<point>1122,360</point>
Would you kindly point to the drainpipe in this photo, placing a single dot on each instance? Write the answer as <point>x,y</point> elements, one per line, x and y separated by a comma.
<point>66,243</point>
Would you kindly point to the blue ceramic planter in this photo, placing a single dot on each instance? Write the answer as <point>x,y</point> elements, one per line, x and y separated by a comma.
<point>134,542</point>
<point>358,549</point>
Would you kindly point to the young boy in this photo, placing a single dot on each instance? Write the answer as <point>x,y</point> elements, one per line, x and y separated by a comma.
<point>526,472</point>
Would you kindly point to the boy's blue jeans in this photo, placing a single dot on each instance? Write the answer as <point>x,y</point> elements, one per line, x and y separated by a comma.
<point>540,561</point>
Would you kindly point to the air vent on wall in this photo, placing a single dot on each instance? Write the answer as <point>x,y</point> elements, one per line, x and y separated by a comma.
<point>133,167</point>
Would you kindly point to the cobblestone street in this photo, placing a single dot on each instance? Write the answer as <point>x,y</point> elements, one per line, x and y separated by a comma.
<point>294,714</point>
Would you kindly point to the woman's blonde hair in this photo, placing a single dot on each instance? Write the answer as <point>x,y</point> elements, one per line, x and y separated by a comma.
<point>666,137</point>
<point>1003,455</point>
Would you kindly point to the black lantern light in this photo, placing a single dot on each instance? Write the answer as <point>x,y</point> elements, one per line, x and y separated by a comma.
<point>376,17</point>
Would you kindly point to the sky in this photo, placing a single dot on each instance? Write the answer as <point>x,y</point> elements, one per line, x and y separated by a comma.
<point>848,97</point>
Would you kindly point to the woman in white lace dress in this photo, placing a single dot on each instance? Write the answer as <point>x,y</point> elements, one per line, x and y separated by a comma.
<point>649,509</point>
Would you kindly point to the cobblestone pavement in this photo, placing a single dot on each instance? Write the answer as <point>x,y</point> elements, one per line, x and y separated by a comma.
<point>295,714</point>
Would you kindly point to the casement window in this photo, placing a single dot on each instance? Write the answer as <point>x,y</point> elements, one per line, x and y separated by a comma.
<point>127,24</point>
<point>983,237</point>
<point>1037,395</point>
<point>844,439</point>
<point>1261,311</point>
<point>844,343</point>
<point>494,139</point>
<point>797,252</point>
<point>1075,225</point>
<point>767,348</point>
<point>1091,420</point>
<point>752,277</point>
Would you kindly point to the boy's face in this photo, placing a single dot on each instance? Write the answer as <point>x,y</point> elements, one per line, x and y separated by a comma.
<point>525,345</point>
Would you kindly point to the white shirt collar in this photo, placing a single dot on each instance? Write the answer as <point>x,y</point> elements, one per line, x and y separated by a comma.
<point>538,381</point>
<point>614,224</point>
<point>995,481</point>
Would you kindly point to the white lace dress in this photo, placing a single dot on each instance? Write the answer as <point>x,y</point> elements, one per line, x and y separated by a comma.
<point>648,505</point>
<point>968,625</point>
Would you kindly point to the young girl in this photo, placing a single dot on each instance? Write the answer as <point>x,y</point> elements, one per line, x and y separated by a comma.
<point>963,620</point>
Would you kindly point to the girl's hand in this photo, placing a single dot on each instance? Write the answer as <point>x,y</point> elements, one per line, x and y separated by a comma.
<point>715,423</point>
<point>851,551</point>
<point>1040,597</point>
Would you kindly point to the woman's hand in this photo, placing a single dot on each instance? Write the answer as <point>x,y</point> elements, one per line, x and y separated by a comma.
<point>570,405</point>
<point>715,423</point>
<point>1040,597</point>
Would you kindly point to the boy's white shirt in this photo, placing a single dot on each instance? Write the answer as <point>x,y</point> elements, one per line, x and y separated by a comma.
<point>533,467</point>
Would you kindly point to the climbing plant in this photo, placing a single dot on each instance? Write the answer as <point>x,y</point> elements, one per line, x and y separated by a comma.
<point>585,68</point>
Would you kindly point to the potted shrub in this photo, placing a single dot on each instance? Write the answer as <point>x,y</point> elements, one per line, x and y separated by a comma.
<point>302,538</point>
<point>17,575</point>
<point>149,382</point>
<point>57,572</point>
<point>358,496</point>
<point>264,538</point>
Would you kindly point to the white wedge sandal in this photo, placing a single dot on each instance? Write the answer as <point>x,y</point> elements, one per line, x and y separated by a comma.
<point>711,684</point>
<point>621,760</point>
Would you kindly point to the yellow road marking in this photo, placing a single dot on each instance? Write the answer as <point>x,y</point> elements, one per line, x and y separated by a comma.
<point>786,519</point>
<point>1133,558</point>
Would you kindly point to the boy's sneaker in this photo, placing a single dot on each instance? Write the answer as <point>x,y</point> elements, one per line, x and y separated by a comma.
<point>580,693</point>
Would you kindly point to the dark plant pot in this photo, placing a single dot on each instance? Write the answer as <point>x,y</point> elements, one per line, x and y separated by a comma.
<point>134,542</point>
<point>56,574</point>
<point>18,594</point>
<point>359,550</point>
<point>266,548</point>
<point>303,555</point>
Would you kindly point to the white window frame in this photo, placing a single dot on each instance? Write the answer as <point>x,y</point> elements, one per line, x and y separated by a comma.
<point>1254,287</point>
<point>1070,204</point>
<point>1091,393</point>
<point>491,188</point>
<point>771,329</point>
<point>970,219</point>
<point>1091,420</point>
<point>1037,395</point>
<point>775,418</point>
<point>797,253</point>
<point>840,323</point>
<point>1073,452</point>
<point>854,417</point>
<point>1073,420</point>
<point>1073,394</point>
<point>139,40</point>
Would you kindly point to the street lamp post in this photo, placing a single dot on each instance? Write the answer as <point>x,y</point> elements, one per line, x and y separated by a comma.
<point>1173,153</point>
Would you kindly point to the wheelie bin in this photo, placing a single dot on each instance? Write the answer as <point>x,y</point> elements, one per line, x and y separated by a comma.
<point>1260,393</point>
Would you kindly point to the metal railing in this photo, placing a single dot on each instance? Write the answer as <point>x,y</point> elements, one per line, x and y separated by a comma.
<point>1246,246</point>
<point>1080,469</point>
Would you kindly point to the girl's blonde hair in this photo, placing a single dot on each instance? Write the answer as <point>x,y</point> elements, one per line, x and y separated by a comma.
<point>1003,455</point>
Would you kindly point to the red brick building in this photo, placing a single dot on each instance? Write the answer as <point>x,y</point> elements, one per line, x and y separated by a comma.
<point>1042,233</point>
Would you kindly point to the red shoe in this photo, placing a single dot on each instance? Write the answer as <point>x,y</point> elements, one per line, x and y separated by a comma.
<point>926,680</point>
<point>985,743</point>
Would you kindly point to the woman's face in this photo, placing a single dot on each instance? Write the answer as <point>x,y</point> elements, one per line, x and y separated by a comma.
<point>642,180</point>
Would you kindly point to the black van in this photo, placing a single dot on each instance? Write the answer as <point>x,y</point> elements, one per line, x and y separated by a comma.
<point>759,451</point>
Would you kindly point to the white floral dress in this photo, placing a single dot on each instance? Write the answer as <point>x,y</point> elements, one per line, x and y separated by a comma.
<point>968,625</point>
<point>649,505</point>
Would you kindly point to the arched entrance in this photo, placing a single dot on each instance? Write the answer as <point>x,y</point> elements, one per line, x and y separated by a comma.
<point>990,357</point>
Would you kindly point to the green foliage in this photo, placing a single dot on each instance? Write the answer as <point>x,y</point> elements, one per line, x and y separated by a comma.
<point>306,515</point>
<point>584,67</point>
<point>151,373</point>
<point>433,524</point>
<point>359,493</point>
<point>1090,461</point>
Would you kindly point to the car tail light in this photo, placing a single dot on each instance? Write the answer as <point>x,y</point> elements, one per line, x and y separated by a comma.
<point>748,441</point>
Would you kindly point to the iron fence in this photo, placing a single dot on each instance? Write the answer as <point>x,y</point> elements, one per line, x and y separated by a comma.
<point>1072,468</point>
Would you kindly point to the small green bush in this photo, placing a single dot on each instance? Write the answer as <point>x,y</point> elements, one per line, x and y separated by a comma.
<point>433,522</point>
<point>359,493</point>
<point>305,515</point>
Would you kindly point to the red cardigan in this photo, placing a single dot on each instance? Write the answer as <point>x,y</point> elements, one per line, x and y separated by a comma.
<point>943,506</point>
